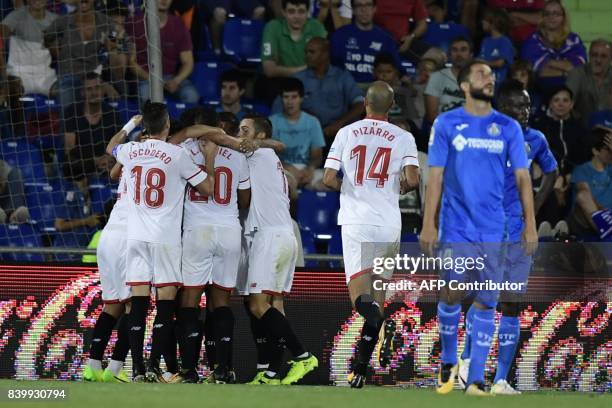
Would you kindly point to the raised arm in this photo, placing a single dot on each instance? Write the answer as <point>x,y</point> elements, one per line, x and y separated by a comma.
<point>120,136</point>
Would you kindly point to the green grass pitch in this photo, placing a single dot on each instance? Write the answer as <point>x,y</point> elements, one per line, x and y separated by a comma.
<point>91,395</point>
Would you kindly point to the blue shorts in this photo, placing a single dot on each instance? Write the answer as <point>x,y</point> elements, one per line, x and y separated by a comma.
<point>476,258</point>
<point>517,264</point>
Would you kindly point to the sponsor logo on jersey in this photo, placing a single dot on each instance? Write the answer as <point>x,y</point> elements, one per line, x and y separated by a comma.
<point>460,142</point>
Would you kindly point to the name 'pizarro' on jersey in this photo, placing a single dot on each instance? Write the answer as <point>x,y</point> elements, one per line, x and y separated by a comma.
<point>371,154</point>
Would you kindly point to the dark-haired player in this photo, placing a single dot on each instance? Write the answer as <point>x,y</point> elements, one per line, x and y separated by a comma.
<point>158,173</point>
<point>273,250</point>
<point>515,102</point>
<point>469,150</point>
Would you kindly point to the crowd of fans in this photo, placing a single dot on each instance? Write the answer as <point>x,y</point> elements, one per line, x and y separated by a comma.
<point>317,57</point>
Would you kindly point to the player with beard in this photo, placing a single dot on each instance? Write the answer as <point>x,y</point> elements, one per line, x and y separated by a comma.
<point>469,149</point>
<point>514,101</point>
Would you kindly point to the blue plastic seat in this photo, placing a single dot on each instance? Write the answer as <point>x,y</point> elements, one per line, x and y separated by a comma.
<point>77,238</point>
<point>100,193</point>
<point>125,108</point>
<point>205,77</point>
<point>318,212</point>
<point>176,108</point>
<point>21,235</point>
<point>242,39</point>
<point>25,156</point>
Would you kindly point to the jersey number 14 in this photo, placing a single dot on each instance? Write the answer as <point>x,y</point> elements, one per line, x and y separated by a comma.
<point>379,166</point>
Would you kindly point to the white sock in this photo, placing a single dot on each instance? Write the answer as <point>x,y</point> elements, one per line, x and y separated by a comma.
<point>262,366</point>
<point>270,373</point>
<point>303,355</point>
<point>115,366</point>
<point>95,364</point>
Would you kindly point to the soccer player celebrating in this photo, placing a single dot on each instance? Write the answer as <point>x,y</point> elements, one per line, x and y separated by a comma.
<point>110,255</point>
<point>469,148</point>
<point>211,253</point>
<point>373,155</point>
<point>158,174</point>
<point>514,102</point>
<point>273,249</point>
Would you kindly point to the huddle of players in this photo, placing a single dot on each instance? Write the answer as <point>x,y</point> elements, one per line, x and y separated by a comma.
<point>479,181</point>
<point>176,225</point>
<point>479,203</point>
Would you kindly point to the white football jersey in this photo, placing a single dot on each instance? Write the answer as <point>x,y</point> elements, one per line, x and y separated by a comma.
<point>231,175</point>
<point>269,192</point>
<point>157,173</point>
<point>371,154</point>
<point>119,214</point>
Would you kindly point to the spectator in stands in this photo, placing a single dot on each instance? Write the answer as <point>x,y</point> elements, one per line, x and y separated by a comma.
<point>29,22</point>
<point>497,49</point>
<point>354,47</point>
<point>284,39</point>
<point>80,43</point>
<point>88,128</point>
<point>177,55</point>
<point>386,70</point>
<point>395,17</point>
<point>122,43</point>
<point>592,82</point>
<point>553,50</point>
<point>232,89</point>
<point>334,14</point>
<point>12,197</point>
<point>301,133</point>
<point>217,11</point>
<point>521,71</point>
<point>592,183</point>
<point>442,92</point>
<point>525,16</point>
<point>565,136</point>
<point>330,93</point>
<point>441,32</point>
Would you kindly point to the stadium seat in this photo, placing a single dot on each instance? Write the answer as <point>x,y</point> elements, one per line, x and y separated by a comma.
<point>46,202</point>
<point>176,108</point>
<point>203,49</point>
<point>100,193</point>
<point>205,77</point>
<point>125,108</point>
<point>259,108</point>
<point>78,238</point>
<point>242,39</point>
<point>26,157</point>
<point>20,235</point>
<point>318,212</point>
<point>408,69</point>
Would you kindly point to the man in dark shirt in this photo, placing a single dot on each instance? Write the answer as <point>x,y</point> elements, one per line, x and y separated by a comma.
<point>88,128</point>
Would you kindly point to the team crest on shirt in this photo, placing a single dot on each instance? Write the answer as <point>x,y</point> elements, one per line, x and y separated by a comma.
<point>352,44</point>
<point>493,129</point>
<point>376,46</point>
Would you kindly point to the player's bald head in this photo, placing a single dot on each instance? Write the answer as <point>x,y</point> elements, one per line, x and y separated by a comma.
<point>379,98</point>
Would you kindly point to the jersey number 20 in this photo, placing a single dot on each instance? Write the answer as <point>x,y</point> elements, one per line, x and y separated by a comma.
<point>378,169</point>
<point>223,187</point>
